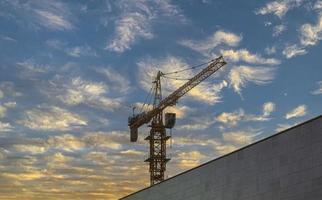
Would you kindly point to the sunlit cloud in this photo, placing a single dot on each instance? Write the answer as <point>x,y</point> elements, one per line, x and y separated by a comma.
<point>297,112</point>
<point>210,43</point>
<point>282,127</point>
<point>311,34</point>
<point>190,159</point>
<point>136,20</point>
<point>53,15</point>
<point>240,76</point>
<point>79,91</point>
<point>5,127</point>
<point>119,82</point>
<point>279,8</point>
<point>293,50</point>
<point>51,118</point>
<point>246,56</point>
<point>279,29</point>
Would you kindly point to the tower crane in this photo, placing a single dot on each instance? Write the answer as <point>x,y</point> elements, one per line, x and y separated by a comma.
<point>158,136</point>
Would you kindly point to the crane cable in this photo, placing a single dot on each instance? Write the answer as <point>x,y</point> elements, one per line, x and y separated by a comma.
<point>177,78</point>
<point>147,98</point>
<point>188,68</point>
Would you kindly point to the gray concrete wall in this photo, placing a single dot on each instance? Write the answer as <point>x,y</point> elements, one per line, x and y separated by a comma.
<point>286,166</point>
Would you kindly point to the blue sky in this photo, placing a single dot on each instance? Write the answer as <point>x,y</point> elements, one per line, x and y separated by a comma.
<point>71,70</point>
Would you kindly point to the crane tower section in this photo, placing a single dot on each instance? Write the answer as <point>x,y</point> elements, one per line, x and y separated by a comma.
<point>158,137</point>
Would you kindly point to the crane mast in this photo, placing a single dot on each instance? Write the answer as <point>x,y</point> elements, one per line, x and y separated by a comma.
<point>158,137</point>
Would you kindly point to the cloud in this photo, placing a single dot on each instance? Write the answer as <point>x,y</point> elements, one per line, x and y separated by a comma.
<point>79,91</point>
<point>130,28</point>
<point>278,30</point>
<point>268,108</point>
<point>246,56</point>
<point>270,50</point>
<point>207,45</point>
<point>53,15</point>
<point>297,112</point>
<point>206,91</point>
<point>282,127</point>
<point>4,108</point>
<point>310,34</point>
<point>239,76</point>
<point>190,159</point>
<point>119,82</point>
<point>66,142</point>
<point>279,8</point>
<point>29,148</point>
<point>53,21</point>
<point>5,127</point>
<point>233,118</point>
<point>75,51</point>
<point>293,50</point>
<point>136,20</point>
<point>318,5</point>
<point>24,176</point>
<point>51,119</point>
<point>106,140</point>
<point>319,90</point>
<point>238,138</point>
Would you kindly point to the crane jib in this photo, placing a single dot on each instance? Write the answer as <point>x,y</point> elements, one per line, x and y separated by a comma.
<point>143,118</point>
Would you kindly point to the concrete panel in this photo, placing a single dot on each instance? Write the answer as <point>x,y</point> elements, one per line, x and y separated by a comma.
<point>285,166</point>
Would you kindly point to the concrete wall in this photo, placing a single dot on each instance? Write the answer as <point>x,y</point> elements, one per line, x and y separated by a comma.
<point>286,166</point>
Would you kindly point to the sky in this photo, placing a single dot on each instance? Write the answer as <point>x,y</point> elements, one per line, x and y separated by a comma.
<point>71,71</point>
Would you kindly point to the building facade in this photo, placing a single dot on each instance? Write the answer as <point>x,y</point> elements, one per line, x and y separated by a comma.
<point>285,166</point>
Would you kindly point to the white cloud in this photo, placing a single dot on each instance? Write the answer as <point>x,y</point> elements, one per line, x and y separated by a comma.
<point>293,50</point>
<point>282,127</point>
<point>246,56</point>
<point>54,15</point>
<point>51,118</point>
<point>318,5</point>
<point>279,8</point>
<point>311,34</point>
<point>319,90</point>
<point>207,45</point>
<point>278,30</point>
<point>76,51</point>
<point>190,159</point>
<point>270,50</point>
<point>66,142</point>
<point>268,108</point>
<point>4,108</point>
<point>120,83</point>
<point>136,19</point>
<point>3,111</point>
<point>241,75</point>
<point>206,91</point>
<point>233,118</point>
<point>80,91</point>
<point>239,138</point>
<point>53,20</point>
<point>79,51</point>
<point>32,149</point>
<point>5,127</point>
<point>1,94</point>
<point>130,28</point>
<point>297,112</point>
<point>106,140</point>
